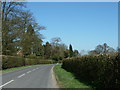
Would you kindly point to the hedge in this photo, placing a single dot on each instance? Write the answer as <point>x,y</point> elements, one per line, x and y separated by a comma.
<point>102,71</point>
<point>17,61</point>
<point>12,61</point>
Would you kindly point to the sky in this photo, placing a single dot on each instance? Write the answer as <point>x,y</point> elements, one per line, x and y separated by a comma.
<point>82,24</point>
<point>64,0</point>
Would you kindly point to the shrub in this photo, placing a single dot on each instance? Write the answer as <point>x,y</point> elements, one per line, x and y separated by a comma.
<point>12,61</point>
<point>17,61</point>
<point>99,70</point>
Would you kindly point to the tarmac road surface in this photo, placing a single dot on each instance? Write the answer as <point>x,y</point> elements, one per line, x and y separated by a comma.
<point>40,76</point>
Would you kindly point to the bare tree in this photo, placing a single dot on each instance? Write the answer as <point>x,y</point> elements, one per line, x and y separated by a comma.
<point>15,22</point>
<point>102,49</point>
<point>10,21</point>
<point>55,41</point>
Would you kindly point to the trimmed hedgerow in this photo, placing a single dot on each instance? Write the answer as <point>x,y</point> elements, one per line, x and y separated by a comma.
<point>12,61</point>
<point>17,61</point>
<point>99,70</point>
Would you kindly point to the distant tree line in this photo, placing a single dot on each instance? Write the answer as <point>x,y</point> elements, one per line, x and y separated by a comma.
<point>58,51</point>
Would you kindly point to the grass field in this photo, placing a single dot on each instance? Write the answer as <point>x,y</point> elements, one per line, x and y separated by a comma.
<point>67,80</point>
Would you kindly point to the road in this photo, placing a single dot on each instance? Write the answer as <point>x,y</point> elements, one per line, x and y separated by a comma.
<point>32,77</point>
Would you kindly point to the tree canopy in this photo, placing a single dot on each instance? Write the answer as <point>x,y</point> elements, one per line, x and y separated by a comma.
<point>20,31</point>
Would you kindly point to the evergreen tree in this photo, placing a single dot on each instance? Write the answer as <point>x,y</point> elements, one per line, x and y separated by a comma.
<point>31,43</point>
<point>47,50</point>
<point>27,42</point>
<point>70,51</point>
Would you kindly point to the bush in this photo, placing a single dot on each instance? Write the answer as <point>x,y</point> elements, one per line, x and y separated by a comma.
<point>17,61</point>
<point>98,70</point>
<point>38,61</point>
<point>12,61</point>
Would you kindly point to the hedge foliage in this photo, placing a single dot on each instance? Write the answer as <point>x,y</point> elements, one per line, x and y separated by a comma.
<point>102,71</point>
<point>17,61</point>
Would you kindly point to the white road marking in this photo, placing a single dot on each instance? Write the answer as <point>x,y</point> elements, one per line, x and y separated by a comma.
<point>28,71</point>
<point>21,75</point>
<point>37,68</point>
<point>6,83</point>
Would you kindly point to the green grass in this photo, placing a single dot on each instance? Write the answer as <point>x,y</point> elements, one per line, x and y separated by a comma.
<point>16,68</point>
<point>67,80</point>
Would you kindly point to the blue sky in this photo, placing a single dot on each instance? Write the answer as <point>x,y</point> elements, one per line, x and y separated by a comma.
<point>84,25</point>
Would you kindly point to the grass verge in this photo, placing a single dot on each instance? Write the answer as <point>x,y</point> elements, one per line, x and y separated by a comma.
<point>67,80</point>
<point>16,68</point>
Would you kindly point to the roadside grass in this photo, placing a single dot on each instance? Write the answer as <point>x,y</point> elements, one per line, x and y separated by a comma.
<point>15,68</point>
<point>67,80</point>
